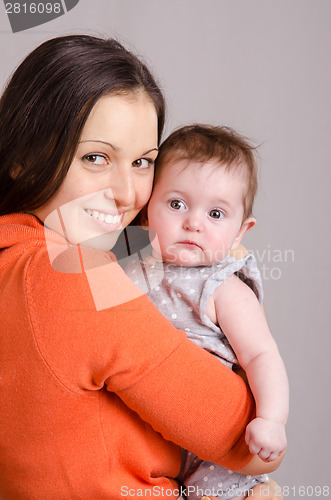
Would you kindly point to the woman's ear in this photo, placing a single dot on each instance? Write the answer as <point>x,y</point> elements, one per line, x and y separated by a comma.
<point>246,226</point>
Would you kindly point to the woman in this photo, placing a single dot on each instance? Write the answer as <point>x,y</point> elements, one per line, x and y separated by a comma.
<point>92,375</point>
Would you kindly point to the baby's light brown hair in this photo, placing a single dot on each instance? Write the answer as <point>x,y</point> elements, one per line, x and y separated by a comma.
<point>212,144</point>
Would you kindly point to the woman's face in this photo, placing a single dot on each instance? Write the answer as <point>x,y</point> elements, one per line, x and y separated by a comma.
<point>111,176</point>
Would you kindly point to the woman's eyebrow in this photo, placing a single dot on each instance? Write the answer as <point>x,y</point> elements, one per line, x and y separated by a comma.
<point>103,142</point>
<point>151,150</point>
<point>114,147</point>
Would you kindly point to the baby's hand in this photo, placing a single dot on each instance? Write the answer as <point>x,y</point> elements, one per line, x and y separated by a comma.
<point>266,439</point>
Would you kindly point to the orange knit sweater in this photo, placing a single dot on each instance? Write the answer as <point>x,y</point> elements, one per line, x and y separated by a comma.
<point>93,400</point>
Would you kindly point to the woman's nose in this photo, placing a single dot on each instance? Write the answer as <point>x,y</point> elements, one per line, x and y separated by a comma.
<point>122,187</point>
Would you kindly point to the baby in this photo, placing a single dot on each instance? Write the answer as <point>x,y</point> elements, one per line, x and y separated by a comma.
<point>200,208</point>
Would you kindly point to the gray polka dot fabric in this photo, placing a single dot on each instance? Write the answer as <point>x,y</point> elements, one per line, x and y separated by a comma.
<point>181,294</point>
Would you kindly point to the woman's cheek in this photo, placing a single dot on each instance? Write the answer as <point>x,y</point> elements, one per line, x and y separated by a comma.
<point>144,191</point>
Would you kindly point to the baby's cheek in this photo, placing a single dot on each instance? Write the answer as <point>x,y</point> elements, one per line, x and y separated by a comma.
<point>153,238</point>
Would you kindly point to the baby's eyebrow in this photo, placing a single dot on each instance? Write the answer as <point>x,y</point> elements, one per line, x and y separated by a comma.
<point>172,192</point>
<point>222,202</point>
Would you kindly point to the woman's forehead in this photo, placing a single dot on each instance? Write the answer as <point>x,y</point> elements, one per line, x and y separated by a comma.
<point>119,118</point>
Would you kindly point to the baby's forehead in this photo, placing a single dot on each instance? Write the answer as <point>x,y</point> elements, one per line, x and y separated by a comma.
<point>203,168</point>
<point>212,179</point>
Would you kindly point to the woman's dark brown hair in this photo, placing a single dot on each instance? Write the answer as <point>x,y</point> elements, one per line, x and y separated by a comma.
<point>46,104</point>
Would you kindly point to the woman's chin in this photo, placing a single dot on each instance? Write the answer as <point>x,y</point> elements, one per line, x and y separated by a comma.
<point>105,241</point>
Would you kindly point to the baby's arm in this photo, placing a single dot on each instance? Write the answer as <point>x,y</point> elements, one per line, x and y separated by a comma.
<point>241,318</point>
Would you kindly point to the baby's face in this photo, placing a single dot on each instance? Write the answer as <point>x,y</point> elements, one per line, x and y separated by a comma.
<point>197,213</point>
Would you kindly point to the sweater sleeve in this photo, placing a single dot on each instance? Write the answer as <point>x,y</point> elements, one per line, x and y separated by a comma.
<point>183,392</point>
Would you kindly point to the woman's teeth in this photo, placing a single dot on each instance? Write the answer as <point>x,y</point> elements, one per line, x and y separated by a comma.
<point>110,219</point>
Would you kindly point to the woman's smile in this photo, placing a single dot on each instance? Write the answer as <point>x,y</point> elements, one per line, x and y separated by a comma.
<point>103,217</point>
<point>110,178</point>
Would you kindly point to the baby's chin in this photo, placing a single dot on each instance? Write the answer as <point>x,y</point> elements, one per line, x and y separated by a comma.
<point>186,259</point>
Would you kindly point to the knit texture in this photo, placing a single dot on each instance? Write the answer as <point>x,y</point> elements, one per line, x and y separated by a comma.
<point>93,400</point>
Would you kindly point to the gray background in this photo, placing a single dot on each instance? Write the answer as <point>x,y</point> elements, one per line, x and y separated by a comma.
<point>263,67</point>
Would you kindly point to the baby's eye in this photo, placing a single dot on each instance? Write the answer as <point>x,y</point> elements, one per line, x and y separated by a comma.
<point>215,213</point>
<point>177,204</point>
<point>95,159</point>
<point>142,163</point>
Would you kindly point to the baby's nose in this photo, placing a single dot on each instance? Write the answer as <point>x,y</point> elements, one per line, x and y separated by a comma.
<point>192,222</point>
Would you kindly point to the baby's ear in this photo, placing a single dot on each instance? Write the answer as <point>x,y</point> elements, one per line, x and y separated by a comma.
<point>246,226</point>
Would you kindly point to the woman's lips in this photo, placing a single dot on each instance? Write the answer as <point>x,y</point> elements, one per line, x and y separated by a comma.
<point>113,220</point>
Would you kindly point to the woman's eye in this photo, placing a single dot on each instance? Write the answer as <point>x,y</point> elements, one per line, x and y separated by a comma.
<point>177,204</point>
<point>96,159</point>
<point>216,214</point>
<point>142,163</point>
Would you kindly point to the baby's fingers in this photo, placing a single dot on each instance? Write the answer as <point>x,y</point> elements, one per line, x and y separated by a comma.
<point>254,448</point>
<point>273,456</point>
<point>268,456</point>
<point>253,445</point>
<point>264,455</point>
